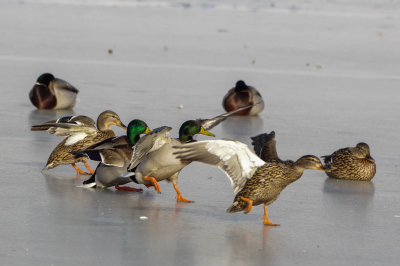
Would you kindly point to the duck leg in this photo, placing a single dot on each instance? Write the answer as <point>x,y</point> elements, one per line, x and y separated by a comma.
<point>179,195</point>
<point>128,188</point>
<point>89,168</point>
<point>154,182</point>
<point>265,217</point>
<point>79,171</point>
<point>249,204</point>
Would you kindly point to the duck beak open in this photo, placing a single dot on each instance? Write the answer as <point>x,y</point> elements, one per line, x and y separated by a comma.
<point>148,130</point>
<point>120,124</point>
<point>205,132</point>
<point>324,169</point>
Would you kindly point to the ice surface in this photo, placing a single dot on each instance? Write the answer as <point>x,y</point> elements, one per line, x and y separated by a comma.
<point>329,75</point>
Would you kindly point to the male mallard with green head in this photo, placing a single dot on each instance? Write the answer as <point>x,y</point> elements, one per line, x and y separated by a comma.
<point>114,155</point>
<point>52,93</point>
<point>254,180</point>
<point>241,96</point>
<point>80,133</point>
<point>353,163</point>
<point>153,159</point>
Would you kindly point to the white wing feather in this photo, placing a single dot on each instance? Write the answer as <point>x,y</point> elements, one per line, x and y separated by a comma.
<point>74,138</point>
<point>234,158</point>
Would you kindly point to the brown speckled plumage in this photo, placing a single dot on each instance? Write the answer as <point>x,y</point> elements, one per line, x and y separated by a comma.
<point>270,179</point>
<point>255,181</point>
<point>353,163</point>
<point>62,153</point>
<point>85,127</point>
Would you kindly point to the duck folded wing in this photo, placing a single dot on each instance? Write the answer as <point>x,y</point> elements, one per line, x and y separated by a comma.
<point>234,158</point>
<point>112,151</point>
<point>62,84</point>
<point>151,142</point>
<point>112,157</point>
<point>208,124</point>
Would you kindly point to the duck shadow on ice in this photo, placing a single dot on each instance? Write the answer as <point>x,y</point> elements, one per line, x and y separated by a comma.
<point>348,201</point>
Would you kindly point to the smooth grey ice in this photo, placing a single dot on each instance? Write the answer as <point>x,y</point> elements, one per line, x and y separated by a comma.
<point>328,72</point>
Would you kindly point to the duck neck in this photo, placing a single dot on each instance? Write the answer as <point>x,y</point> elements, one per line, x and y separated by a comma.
<point>133,139</point>
<point>297,172</point>
<point>102,124</point>
<point>185,138</point>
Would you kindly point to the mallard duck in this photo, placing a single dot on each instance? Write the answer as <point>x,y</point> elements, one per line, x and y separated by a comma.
<point>153,159</point>
<point>353,163</point>
<point>114,155</point>
<point>81,133</point>
<point>52,93</point>
<point>241,96</point>
<point>253,180</point>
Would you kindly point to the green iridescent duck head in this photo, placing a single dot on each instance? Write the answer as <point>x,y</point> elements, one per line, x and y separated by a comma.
<point>191,128</point>
<point>135,128</point>
<point>45,79</point>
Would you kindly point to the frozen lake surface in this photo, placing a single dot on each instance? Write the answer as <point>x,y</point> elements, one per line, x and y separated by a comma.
<point>329,75</point>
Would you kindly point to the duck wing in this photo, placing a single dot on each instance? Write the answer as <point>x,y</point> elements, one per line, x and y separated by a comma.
<point>75,128</point>
<point>63,85</point>
<point>234,158</point>
<point>113,151</point>
<point>208,124</point>
<point>152,141</point>
<point>265,147</point>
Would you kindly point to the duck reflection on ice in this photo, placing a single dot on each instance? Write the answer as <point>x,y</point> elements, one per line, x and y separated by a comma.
<point>349,202</point>
<point>363,189</point>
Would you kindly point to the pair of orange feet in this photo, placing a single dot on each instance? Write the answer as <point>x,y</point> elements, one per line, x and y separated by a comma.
<point>250,206</point>
<point>154,183</point>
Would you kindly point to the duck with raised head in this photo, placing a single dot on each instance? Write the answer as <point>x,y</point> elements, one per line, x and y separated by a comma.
<point>241,96</point>
<point>353,163</point>
<point>80,133</point>
<point>114,155</point>
<point>153,159</point>
<point>52,93</point>
<point>253,180</point>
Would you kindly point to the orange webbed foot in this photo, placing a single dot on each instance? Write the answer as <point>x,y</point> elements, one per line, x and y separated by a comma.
<point>89,168</point>
<point>179,197</point>
<point>265,217</point>
<point>128,188</point>
<point>182,199</point>
<point>249,204</point>
<point>149,185</point>
<point>79,171</point>
<point>154,182</point>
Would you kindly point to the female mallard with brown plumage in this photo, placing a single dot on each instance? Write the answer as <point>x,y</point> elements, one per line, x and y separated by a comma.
<point>80,133</point>
<point>241,96</point>
<point>353,163</point>
<point>52,93</point>
<point>254,180</point>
